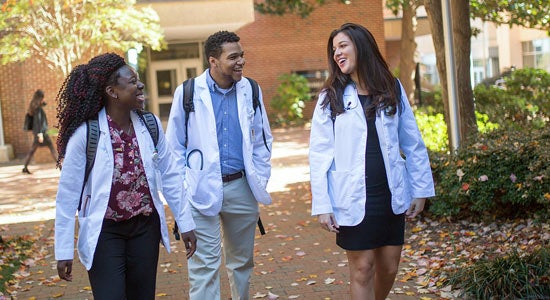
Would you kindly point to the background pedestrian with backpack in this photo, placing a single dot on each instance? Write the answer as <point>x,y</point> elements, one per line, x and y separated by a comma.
<point>36,121</point>
<point>223,141</point>
<point>115,163</point>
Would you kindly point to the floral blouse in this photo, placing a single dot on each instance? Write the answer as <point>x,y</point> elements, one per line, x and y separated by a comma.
<point>130,195</point>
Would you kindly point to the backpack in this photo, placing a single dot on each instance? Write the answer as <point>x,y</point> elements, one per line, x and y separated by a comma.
<point>28,124</point>
<point>189,106</point>
<point>92,139</point>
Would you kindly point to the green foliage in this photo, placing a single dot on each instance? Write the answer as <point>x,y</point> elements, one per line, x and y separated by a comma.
<point>503,173</point>
<point>288,103</point>
<point>532,14</point>
<point>523,102</point>
<point>60,33</point>
<point>432,102</point>
<point>434,129</point>
<point>511,277</point>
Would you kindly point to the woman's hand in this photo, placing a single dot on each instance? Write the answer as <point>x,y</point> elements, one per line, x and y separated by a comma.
<point>40,137</point>
<point>328,222</point>
<point>417,206</point>
<point>65,269</point>
<point>190,241</point>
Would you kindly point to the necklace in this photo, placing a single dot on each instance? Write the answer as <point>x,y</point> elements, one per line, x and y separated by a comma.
<point>129,131</point>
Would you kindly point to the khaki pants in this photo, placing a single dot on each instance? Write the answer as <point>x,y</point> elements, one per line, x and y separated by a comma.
<point>236,222</point>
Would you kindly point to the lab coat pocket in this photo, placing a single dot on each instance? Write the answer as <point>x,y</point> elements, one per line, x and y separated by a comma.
<point>193,179</point>
<point>346,188</point>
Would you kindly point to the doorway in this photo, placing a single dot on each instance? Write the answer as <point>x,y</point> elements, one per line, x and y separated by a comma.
<point>166,76</point>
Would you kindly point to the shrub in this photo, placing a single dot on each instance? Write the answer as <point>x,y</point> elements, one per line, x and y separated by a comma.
<point>434,129</point>
<point>511,277</point>
<point>522,102</point>
<point>502,173</point>
<point>288,103</point>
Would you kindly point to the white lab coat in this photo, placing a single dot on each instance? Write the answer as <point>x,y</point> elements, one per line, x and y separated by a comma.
<point>203,178</point>
<point>337,159</point>
<point>91,215</point>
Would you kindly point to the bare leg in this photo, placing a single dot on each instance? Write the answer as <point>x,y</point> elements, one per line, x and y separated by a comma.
<point>386,263</point>
<point>361,266</point>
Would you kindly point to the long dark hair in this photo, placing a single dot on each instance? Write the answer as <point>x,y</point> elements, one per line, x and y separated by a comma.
<point>82,95</point>
<point>372,72</point>
<point>36,101</point>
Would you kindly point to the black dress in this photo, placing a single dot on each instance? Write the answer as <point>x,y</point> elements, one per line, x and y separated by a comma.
<point>380,226</point>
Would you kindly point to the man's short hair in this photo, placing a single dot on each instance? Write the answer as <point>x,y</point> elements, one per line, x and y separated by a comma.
<point>213,45</point>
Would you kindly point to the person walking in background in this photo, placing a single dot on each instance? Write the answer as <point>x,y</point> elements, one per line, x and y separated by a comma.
<point>362,188</point>
<point>39,128</point>
<point>225,150</point>
<point>121,215</point>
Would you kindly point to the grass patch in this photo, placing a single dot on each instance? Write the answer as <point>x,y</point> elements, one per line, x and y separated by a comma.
<point>13,252</point>
<point>514,276</point>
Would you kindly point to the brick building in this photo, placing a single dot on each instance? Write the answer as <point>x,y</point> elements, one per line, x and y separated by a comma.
<point>273,45</point>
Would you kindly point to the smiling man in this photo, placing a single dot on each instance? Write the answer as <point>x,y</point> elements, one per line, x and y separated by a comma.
<point>223,141</point>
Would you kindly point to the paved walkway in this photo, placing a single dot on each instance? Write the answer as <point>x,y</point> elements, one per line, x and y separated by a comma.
<point>294,260</point>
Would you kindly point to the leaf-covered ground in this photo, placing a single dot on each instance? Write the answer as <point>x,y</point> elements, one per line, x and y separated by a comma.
<point>294,260</point>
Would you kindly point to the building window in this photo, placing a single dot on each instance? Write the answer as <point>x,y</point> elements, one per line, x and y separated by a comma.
<point>536,54</point>
<point>177,51</point>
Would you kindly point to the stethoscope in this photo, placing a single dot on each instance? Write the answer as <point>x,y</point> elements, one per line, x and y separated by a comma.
<point>189,157</point>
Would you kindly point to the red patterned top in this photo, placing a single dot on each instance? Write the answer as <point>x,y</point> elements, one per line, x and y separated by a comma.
<point>130,195</point>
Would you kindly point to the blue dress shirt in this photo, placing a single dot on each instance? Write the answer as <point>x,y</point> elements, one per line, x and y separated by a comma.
<point>228,128</point>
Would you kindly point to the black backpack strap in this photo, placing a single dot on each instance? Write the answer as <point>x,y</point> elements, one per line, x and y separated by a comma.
<point>255,95</point>
<point>256,104</point>
<point>151,123</point>
<point>92,140</point>
<point>188,104</point>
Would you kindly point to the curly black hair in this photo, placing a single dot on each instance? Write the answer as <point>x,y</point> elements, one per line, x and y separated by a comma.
<point>82,95</point>
<point>213,45</point>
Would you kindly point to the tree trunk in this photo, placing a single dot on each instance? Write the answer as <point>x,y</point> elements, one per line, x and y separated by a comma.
<point>462,32</point>
<point>433,9</point>
<point>408,48</point>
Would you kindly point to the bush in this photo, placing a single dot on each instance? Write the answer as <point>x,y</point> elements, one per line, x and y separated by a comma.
<point>522,102</point>
<point>512,277</point>
<point>502,173</point>
<point>288,103</point>
<point>434,129</point>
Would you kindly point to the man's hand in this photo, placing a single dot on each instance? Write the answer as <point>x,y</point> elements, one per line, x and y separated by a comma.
<point>417,206</point>
<point>65,269</point>
<point>190,241</point>
<point>40,138</point>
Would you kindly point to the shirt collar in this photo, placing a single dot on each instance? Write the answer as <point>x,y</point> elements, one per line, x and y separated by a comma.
<point>213,86</point>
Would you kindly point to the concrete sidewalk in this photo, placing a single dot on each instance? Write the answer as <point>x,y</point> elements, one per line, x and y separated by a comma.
<point>294,260</point>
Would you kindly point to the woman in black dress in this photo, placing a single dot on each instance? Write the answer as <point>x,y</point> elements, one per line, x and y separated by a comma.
<point>362,187</point>
<point>39,128</point>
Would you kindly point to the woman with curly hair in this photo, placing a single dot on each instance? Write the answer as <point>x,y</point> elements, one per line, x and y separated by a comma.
<point>39,128</point>
<point>121,216</point>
